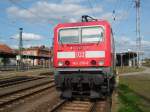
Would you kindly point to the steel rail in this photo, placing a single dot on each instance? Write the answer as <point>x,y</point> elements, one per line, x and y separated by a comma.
<point>10,83</point>
<point>82,106</point>
<point>20,87</point>
<point>24,93</point>
<point>74,106</point>
<point>58,105</point>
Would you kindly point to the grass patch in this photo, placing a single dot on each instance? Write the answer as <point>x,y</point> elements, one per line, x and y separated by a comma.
<point>129,101</point>
<point>134,93</point>
<point>127,69</point>
<point>146,64</point>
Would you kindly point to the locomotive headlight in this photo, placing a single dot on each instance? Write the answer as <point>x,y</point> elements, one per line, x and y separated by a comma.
<point>101,63</point>
<point>60,63</point>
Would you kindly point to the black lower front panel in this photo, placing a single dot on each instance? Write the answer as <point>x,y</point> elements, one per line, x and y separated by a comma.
<point>93,85</point>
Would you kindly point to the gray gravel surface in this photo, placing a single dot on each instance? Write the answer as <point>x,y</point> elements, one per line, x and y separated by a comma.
<point>13,88</point>
<point>40,103</point>
<point>146,71</point>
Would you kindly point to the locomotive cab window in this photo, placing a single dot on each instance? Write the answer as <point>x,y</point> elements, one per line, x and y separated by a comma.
<point>70,35</point>
<point>92,34</point>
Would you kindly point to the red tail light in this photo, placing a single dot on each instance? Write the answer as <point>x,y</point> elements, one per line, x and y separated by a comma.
<point>93,62</point>
<point>67,63</point>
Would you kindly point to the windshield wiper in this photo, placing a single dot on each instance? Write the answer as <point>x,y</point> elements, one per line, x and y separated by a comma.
<point>99,41</point>
<point>101,37</point>
<point>61,42</point>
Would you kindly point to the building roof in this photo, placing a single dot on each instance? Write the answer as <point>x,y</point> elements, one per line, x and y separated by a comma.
<point>37,48</point>
<point>5,49</point>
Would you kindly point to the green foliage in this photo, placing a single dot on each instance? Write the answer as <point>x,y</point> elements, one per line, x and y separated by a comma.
<point>147,62</point>
<point>4,61</point>
<point>136,89</point>
<point>129,100</point>
<point>129,69</point>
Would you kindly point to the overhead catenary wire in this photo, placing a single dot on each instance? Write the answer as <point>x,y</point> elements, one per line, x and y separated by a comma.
<point>128,11</point>
<point>12,26</point>
<point>92,8</point>
<point>96,5</point>
<point>130,5</point>
<point>13,2</point>
<point>31,12</point>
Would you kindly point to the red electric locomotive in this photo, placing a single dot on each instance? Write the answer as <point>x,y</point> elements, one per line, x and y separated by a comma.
<point>84,58</point>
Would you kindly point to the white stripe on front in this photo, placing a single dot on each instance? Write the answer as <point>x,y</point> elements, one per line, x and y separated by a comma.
<point>66,55</point>
<point>95,54</point>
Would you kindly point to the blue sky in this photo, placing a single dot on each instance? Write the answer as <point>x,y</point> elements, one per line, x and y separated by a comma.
<point>38,18</point>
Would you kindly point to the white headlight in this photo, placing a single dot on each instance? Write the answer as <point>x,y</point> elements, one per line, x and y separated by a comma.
<point>101,63</point>
<point>60,63</point>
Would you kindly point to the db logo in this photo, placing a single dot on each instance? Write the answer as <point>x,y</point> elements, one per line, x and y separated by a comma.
<point>80,54</point>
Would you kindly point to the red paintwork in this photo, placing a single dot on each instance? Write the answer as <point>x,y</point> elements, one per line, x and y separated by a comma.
<point>84,62</point>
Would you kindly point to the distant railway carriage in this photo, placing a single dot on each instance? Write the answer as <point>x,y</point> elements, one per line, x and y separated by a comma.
<point>84,58</point>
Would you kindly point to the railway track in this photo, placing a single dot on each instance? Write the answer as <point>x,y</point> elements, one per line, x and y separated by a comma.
<point>6,99</point>
<point>82,106</point>
<point>17,80</point>
<point>74,106</point>
<point>103,106</point>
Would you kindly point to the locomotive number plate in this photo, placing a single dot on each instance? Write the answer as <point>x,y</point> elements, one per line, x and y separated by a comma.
<point>80,54</point>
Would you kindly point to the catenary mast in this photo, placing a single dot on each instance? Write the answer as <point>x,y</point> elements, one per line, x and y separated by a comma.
<point>137,5</point>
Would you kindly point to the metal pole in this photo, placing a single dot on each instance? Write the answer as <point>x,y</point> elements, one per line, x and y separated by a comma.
<point>49,57</point>
<point>20,47</point>
<point>121,60</point>
<point>137,3</point>
<point>129,58</point>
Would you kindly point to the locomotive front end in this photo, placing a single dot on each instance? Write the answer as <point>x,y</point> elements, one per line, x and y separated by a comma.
<point>82,59</point>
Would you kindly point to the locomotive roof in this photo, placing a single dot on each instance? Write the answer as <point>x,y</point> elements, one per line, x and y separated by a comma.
<point>99,22</point>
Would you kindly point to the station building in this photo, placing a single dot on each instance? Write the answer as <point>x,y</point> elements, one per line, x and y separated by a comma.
<point>33,56</point>
<point>126,59</point>
<point>7,55</point>
<point>37,56</point>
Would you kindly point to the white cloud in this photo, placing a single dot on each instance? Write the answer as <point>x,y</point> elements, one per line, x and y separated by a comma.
<point>25,46</point>
<point>73,20</point>
<point>32,45</point>
<point>122,15</point>
<point>124,43</point>
<point>145,43</point>
<point>28,36</point>
<point>14,46</point>
<point>107,16</point>
<point>44,11</point>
